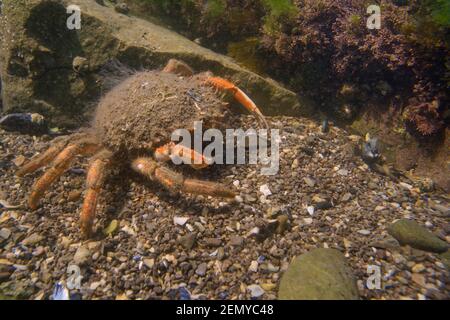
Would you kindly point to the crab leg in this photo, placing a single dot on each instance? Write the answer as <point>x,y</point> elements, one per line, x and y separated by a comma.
<point>41,160</point>
<point>174,181</point>
<point>59,166</point>
<point>94,183</point>
<point>187,155</point>
<point>239,95</point>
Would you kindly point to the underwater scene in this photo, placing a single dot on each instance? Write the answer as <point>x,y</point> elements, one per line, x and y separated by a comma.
<point>255,150</point>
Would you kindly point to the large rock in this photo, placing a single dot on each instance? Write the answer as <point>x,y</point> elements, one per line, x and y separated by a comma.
<point>40,59</point>
<point>409,232</point>
<point>321,274</point>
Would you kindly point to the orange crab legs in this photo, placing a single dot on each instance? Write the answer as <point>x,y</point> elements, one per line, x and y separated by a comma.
<point>60,164</point>
<point>94,183</point>
<point>239,95</point>
<point>176,182</point>
<point>187,155</point>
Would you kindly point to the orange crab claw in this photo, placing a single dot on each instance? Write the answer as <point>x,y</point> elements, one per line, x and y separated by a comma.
<point>187,155</point>
<point>239,95</point>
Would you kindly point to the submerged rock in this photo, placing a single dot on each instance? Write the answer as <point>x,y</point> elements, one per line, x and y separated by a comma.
<point>35,74</point>
<point>32,123</point>
<point>321,274</point>
<point>409,232</point>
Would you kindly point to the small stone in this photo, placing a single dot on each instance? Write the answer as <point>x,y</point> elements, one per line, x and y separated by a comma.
<point>309,181</point>
<point>188,240</point>
<point>308,221</point>
<point>181,221</point>
<point>253,266</point>
<point>310,210</point>
<point>149,263</point>
<point>128,230</point>
<point>346,197</point>
<point>255,291</point>
<point>236,241</point>
<point>264,189</point>
<point>418,268</point>
<point>268,286</point>
<point>38,251</point>
<point>201,269</point>
<point>419,279</point>
<point>82,255</point>
<point>5,233</point>
<point>94,285</point>
<point>343,172</point>
<point>347,243</point>
<point>398,258</point>
<point>65,242</point>
<point>213,242</point>
<point>385,243</point>
<point>74,195</point>
<point>364,232</point>
<point>32,239</point>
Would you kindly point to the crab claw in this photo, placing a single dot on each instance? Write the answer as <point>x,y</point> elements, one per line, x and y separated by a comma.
<point>240,96</point>
<point>185,154</point>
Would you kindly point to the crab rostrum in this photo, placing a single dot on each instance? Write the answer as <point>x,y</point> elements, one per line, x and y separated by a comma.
<point>132,126</point>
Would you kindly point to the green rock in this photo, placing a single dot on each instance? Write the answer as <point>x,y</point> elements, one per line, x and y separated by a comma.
<point>409,232</point>
<point>321,274</point>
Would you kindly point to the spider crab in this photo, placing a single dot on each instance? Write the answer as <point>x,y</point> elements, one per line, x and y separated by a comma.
<point>132,126</point>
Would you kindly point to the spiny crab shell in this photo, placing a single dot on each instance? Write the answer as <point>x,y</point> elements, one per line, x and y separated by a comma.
<point>143,111</point>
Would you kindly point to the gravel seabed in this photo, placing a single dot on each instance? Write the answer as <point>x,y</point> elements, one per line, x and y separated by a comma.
<point>144,258</point>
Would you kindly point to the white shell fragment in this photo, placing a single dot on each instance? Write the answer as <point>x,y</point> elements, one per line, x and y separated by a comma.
<point>264,189</point>
<point>181,221</point>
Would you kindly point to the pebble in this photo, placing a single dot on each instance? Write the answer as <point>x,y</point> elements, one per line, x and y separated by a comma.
<point>32,239</point>
<point>201,269</point>
<point>264,189</point>
<point>255,291</point>
<point>236,241</point>
<point>82,255</point>
<point>253,266</point>
<point>418,268</point>
<point>309,181</point>
<point>419,279</point>
<point>181,221</point>
<point>5,233</point>
<point>188,240</point>
<point>149,263</point>
<point>213,242</point>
